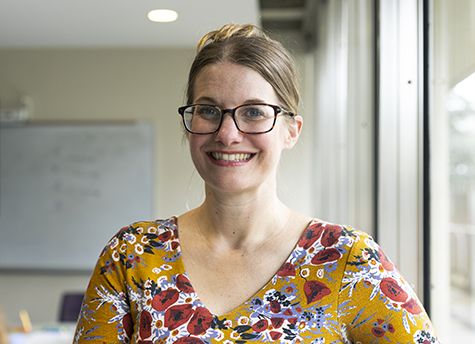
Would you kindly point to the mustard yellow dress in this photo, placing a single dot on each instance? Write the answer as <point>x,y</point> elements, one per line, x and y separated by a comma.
<point>337,286</point>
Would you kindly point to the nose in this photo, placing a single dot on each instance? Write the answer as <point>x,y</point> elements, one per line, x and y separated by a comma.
<point>228,132</point>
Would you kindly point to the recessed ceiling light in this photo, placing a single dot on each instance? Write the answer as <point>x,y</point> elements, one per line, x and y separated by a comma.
<point>162,16</point>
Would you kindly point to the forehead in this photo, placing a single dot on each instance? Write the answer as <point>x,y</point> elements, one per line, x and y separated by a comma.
<point>227,83</point>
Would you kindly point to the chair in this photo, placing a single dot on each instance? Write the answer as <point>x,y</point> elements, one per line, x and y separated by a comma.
<point>70,307</point>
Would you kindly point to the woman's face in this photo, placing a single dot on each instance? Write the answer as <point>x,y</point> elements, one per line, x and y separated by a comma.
<point>230,160</point>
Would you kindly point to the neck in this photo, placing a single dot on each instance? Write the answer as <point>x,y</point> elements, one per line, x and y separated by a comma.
<point>238,221</point>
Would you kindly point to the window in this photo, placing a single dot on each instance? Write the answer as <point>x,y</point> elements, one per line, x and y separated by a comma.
<point>453,167</point>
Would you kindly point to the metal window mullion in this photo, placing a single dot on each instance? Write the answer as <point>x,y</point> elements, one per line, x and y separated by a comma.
<point>409,147</point>
<point>399,132</point>
<point>343,148</point>
<point>388,193</point>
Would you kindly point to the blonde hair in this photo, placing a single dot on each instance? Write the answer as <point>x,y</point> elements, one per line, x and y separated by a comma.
<point>228,31</point>
<point>249,46</point>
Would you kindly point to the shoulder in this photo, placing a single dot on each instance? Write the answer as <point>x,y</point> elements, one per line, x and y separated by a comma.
<point>145,237</point>
<point>329,246</point>
<point>356,245</point>
<point>326,243</point>
<point>158,229</point>
<point>330,235</point>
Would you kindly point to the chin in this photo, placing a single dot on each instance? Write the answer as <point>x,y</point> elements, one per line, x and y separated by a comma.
<point>238,185</point>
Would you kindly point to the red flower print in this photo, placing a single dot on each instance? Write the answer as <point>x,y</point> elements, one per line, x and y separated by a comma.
<point>260,326</point>
<point>331,235</point>
<point>293,321</point>
<point>315,290</point>
<point>165,299</point>
<point>391,289</point>
<point>412,307</point>
<point>144,342</point>
<point>189,340</point>
<point>325,256</point>
<point>200,322</point>
<point>165,236</point>
<point>387,264</point>
<point>311,235</point>
<point>275,335</point>
<point>177,315</point>
<point>277,322</point>
<point>287,270</point>
<point>275,306</point>
<point>183,283</point>
<point>391,328</point>
<point>378,332</point>
<point>128,325</point>
<point>145,330</point>
<point>175,245</point>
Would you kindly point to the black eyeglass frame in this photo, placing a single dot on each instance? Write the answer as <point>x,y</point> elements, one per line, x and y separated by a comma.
<point>277,111</point>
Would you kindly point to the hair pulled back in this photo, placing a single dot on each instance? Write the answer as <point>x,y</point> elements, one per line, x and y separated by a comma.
<point>247,45</point>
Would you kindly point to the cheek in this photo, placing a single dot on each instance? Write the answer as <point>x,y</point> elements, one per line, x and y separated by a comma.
<point>194,145</point>
<point>281,138</point>
<point>272,148</point>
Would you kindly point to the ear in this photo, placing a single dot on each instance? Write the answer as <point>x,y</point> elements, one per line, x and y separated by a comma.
<point>293,132</point>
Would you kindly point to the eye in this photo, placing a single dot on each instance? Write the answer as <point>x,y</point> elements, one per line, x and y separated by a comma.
<point>254,112</point>
<point>208,111</point>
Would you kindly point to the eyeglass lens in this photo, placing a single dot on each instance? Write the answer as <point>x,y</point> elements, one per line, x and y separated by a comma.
<point>253,118</point>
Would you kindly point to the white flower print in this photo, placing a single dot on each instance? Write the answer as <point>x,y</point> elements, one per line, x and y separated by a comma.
<point>139,249</point>
<point>320,273</point>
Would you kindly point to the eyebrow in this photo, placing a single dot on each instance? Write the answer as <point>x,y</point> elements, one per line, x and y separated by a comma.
<point>205,99</point>
<point>214,102</point>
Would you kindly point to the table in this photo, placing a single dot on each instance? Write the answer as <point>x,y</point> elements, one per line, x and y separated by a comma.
<point>46,334</point>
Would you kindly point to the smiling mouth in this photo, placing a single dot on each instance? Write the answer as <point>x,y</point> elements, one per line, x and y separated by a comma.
<point>231,157</point>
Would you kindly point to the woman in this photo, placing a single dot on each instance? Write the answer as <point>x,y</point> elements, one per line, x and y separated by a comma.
<point>243,267</point>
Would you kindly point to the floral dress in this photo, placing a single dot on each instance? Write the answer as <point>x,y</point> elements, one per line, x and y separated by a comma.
<point>337,286</point>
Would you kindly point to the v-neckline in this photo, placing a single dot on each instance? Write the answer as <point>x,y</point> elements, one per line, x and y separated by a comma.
<point>260,292</point>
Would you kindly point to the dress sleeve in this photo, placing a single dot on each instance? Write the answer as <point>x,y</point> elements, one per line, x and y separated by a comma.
<point>376,304</point>
<point>105,316</point>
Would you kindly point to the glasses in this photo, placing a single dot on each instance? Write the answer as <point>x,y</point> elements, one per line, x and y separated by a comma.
<point>257,118</point>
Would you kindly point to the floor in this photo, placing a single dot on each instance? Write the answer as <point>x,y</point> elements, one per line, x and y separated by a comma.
<point>462,327</point>
<point>461,333</point>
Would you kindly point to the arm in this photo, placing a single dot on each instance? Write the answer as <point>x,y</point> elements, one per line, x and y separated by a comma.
<point>105,315</point>
<point>376,304</point>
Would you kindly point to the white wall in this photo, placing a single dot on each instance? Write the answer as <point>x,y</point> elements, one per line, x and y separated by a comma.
<point>71,85</point>
<point>113,84</point>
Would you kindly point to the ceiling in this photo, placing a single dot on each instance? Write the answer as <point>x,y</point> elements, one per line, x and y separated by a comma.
<point>115,23</point>
<point>292,18</point>
<point>124,23</point>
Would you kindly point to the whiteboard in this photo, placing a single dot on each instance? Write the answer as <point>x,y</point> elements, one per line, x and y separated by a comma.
<point>65,190</point>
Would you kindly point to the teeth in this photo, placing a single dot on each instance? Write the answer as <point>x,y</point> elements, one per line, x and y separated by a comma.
<point>230,157</point>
